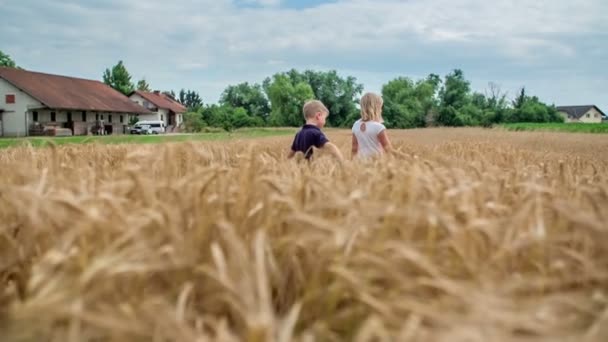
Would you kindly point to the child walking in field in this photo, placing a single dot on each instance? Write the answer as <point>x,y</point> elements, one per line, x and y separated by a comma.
<point>315,114</point>
<point>369,136</point>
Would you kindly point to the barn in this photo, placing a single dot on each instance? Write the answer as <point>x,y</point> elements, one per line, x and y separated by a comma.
<point>33,103</point>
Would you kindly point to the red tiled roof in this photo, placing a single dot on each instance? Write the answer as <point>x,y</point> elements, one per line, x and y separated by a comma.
<point>61,92</point>
<point>161,100</point>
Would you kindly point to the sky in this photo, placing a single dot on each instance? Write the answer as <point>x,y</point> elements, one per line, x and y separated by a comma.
<point>557,49</point>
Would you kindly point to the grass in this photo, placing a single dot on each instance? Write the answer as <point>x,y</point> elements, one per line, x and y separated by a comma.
<point>145,139</point>
<point>558,127</point>
<point>465,235</point>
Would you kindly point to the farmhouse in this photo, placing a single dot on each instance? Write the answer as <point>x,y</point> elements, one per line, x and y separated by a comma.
<point>33,103</point>
<point>163,108</point>
<point>587,114</point>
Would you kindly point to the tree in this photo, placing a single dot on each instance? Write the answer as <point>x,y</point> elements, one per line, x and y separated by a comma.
<point>401,107</point>
<point>142,85</point>
<point>434,80</point>
<point>408,104</point>
<point>340,95</point>
<point>7,61</point>
<point>228,117</point>
<point>212,116</point>
<point>193,121</point>
<point>520,99</point>
<point>119,78</point>
<point>453,97</point>
<point>427,93</point>
<point>239,118</point>
<point>531,109</point>
<point>494,105</point>
<point>190,99</point>
<point>170,94</point>
<point>249,97</point>
<point>287,98</point>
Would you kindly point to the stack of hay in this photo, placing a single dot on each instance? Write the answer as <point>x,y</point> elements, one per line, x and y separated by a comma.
<point>57,131</point>
<point>63,132</point>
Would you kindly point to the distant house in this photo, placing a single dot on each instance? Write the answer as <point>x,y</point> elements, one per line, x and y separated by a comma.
<point>587,114</point>
<point>163,108</point>
<point>31,102</point>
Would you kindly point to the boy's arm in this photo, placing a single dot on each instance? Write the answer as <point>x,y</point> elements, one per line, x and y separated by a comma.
<point>292,151</point>
<point>334,150</point>
<point>325,145</point>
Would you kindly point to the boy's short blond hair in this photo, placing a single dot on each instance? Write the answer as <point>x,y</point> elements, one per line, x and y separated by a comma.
<point>371,107</point>
<point>312,107</point>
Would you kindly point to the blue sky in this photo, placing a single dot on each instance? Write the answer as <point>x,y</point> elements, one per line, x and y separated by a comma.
<point>557,49</point>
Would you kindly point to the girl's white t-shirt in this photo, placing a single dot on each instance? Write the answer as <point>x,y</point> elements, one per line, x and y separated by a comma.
<point>369,144</point>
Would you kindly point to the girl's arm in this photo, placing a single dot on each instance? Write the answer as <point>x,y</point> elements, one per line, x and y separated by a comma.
<point>384,141</point>
<point>355,146</point>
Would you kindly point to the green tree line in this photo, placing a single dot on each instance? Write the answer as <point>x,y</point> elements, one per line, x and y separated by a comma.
<point>408,103</point>
<point>432,101</point>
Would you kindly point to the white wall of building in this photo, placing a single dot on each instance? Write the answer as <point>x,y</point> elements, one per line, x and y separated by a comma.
<point>61,116</point>
<point>144,117</point>
<point>163,114</point>
<point>160,114</point>
<point>566,117</point>
<point>137,99</point>
<point>148,117</point>
<point>14,118</point>
<point>592,116</point>
<point>17,117</point>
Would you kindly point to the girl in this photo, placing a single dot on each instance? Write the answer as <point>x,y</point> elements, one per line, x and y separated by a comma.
<point>369,134</point>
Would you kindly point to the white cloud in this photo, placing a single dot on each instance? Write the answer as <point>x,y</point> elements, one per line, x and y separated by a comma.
<point>187,43</point>
<point>275,62</point>
<point>191,65</point>
<point>266,3</point>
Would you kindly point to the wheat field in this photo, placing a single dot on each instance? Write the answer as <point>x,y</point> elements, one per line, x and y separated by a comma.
<point>467,235</point>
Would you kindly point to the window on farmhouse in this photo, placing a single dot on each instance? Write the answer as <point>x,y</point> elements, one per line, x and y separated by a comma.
<point>35,116</point>
<point>53,116</point>
<point>9,98</point>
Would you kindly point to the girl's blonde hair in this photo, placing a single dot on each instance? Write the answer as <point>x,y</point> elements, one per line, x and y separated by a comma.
<point>371,107</point>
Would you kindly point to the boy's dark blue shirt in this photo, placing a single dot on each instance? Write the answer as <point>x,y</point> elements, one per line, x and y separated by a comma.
<point>307,137</point>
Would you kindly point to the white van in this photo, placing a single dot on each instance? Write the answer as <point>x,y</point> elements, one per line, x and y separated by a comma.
<point>148,127</point>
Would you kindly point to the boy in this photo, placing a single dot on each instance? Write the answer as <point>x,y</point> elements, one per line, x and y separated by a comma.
<point>315,114</point>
